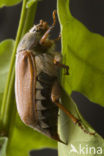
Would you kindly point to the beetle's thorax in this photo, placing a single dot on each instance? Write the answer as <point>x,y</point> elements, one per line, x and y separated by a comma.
<point>36,80</point>
<point>30,41</point>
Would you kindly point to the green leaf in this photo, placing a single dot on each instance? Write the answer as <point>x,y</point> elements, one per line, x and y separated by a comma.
<point>74,136</point>
<point>83,51</point>
<point>9,2</point>
<point>3,145</point>
<point>6,48</point>
<point>23,139</point>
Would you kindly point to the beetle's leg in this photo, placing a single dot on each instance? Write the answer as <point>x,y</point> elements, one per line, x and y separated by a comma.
<point>54,17</point>
<point>62,66</point>
<point>43,40</point>
<point>55,95</point>
<point>58,38</point>
<point>45,36</point>
<point>48,43</point>
<point>57,61</point>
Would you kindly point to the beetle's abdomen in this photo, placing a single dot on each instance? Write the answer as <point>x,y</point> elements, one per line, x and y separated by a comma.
<point>47,111</point>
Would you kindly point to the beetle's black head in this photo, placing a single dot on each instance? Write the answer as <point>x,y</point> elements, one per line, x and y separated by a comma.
<point>41,28</point>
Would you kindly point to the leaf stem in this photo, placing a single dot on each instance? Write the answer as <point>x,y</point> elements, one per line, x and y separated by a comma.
<point>29,15</point>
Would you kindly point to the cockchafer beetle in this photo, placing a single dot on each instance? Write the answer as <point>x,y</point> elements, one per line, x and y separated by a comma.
<point>36,84</point>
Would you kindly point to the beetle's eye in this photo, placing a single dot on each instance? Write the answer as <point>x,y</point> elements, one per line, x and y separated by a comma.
<point>36,30</point>
<point>33,29</point>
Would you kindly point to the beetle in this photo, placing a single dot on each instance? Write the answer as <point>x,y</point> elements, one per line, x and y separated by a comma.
<point>37,88</point>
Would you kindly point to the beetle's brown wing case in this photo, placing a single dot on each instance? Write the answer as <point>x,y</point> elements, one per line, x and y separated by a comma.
<point>27,103</point>
<point>25,87</point>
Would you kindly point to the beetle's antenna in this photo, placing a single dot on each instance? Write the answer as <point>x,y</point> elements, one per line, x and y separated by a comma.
<point>54,18</point>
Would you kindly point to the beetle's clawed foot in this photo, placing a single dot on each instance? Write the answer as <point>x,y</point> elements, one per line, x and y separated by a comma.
<point>83,128</point>
<point>62,66</point>
<point>58,38</point>
<point>66,70</point>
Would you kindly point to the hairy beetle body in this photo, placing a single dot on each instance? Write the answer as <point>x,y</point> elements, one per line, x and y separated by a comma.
<point>36,84</point>
<point>35,76</point>
<point>34,103</point>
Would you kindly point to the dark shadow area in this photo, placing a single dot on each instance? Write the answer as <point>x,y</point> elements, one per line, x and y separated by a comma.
<point>92,112</point>
<point>44,152</point>
<point>90,13</point>
<point>9,19</point>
